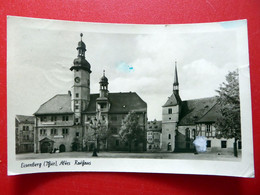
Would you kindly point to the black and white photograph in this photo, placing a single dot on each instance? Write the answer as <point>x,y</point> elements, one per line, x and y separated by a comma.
<point>171,98</point>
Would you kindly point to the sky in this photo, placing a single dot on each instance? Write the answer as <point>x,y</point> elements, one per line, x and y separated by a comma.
<point>137,58</point>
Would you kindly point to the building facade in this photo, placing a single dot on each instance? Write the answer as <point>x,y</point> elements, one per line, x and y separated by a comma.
<point>154,136</point>
<point>182,121</point>
<point>81,121</point>
<point>24,133</point>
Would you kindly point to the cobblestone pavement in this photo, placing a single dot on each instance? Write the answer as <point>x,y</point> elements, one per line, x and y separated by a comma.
<point>226,156</point>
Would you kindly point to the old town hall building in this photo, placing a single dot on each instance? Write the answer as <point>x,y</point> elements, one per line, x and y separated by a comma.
<point>80,121</point>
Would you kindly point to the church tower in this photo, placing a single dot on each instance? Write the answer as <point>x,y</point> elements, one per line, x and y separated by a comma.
<point>81,87</point>
<point>170,116</point>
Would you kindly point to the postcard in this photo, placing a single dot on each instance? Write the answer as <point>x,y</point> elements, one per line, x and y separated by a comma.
<point>171,98</point>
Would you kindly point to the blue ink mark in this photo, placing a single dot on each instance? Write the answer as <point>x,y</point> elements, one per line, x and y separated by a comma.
<point>124,67</point>
<point>233,24</point>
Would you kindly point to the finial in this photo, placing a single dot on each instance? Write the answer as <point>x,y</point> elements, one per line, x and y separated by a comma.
<point>103,72</point>
<point>81,35</point>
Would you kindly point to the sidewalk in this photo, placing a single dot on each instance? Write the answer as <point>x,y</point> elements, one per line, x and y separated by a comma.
<point>227,156</point>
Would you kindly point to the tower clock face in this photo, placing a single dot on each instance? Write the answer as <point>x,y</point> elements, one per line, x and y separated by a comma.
<point>77,79</point>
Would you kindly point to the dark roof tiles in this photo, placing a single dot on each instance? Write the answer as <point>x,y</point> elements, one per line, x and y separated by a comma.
<point>119,103</point>
<point>25,119</point>
<point>59,104</point>
<point>193,110</point>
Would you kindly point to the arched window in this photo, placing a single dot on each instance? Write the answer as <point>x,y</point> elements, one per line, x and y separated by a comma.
<point>169,136</point>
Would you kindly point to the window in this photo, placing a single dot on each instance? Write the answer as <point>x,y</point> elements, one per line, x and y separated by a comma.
<point>208,128</point>
<point>43,119</point>
<point>27,137</point>
<point>169,136</point>
<point>77,95</point>
<point>53,131</point>
<point>77,134</point>
<point>65,118</point>
<point>76,107</point>
<point>223,144</point>
<point>239,145</point>
<point>76,101</point>
<point>169,111</point>
<point>42,131</point>
<point>208,143</point>
<point>117,142</point>
<point>103,118</point>
<point>170,118</point>
<point>76,120</point>
<point>65,131</point>
<point>53,118</point>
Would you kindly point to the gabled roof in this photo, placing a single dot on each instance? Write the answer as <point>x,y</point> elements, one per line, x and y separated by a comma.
<point>120,103</point>
<point>173,100</point>
<point>59,104</point>
<point>211,116</point>
<point>25,119</point>
<point>154,125</point>
<point>193,110</point>
<point>46,139</point>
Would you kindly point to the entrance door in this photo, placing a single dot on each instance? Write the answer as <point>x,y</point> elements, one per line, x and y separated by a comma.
<point>46,147</point>
<point>62,148</point>
<point>169,147</point>
<point>75,146</point>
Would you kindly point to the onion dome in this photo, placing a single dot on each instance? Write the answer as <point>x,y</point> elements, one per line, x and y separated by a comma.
<point>80,62</point>
<point>103,80</point>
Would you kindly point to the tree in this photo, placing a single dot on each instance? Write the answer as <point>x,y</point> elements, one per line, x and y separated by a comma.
<point>130,130</point>
<point>98,132</point>
<point>228,124</point>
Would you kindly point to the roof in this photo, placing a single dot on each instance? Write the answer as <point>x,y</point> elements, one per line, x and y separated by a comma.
<point>59,104</point>
<point>173,100</point>
<point>193,110</point>
<point>154,125</point>
<point>120,103</point>
<point>46,140</point>
<point>211,116</point>
<point>25,119</point>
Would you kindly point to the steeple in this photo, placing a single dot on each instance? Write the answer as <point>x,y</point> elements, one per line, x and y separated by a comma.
<point>176,82</point>
<point>80,62</point>
<point>103,85</point>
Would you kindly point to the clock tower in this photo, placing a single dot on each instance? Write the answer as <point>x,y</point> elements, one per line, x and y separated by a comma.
<point>81,87</point>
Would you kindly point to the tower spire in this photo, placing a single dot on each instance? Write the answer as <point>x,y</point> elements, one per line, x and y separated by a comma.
<point>176,82</point>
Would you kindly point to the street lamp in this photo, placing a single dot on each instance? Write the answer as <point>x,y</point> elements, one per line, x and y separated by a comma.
<point>96,125</point>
